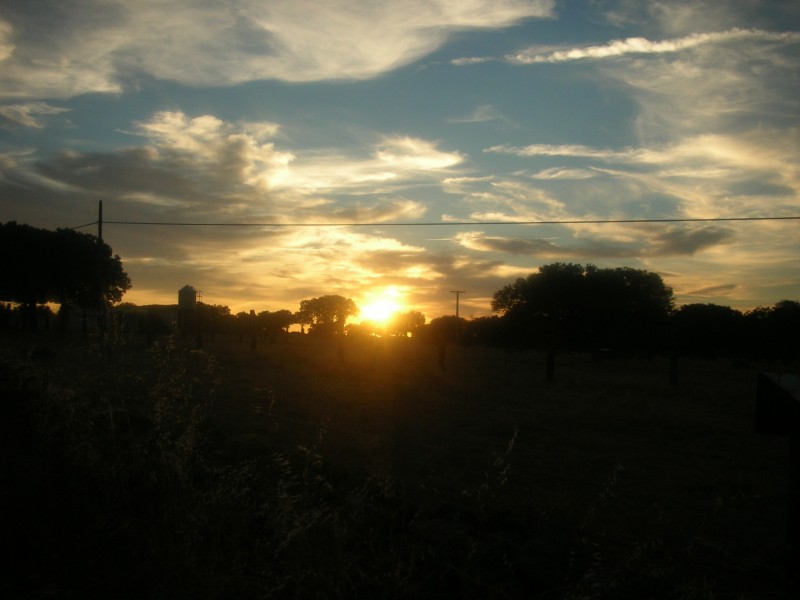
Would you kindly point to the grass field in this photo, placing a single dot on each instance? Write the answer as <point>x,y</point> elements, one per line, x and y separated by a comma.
<point>304,469</point>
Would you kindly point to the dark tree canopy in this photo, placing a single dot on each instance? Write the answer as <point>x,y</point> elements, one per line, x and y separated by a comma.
<point>773,332</point>
<point>706,329</point>
<point>446,329</point>
<point>404,323</point>
<point>570,305</point>
<point>62,266</point>
<point>326,315</point>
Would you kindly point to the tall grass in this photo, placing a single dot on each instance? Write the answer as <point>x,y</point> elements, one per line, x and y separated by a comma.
<point>124,481</point>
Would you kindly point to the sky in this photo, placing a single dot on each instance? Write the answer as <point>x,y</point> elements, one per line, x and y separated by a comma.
<point>382,151</point>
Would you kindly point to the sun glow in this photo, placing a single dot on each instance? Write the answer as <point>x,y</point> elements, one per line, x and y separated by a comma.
<point>379,307</point>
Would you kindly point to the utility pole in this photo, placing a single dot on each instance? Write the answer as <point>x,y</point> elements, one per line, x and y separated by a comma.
<point>458,320</point>
<point>457,293</point>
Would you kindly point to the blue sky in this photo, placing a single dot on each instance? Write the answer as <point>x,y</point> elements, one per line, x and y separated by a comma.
<point>392,113</point>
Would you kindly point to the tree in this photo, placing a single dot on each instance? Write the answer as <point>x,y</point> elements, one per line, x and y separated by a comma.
<point>772,332</point>
<point>273,323</point>
<point>62,266</point>
<point>404,323</point>
<point>486,331</point>
<point>572,306</point>
<point>88,273</point>
<point>707,329</point>
<point>446,330</point>
<point>326,315</point>
<point>212,318</point>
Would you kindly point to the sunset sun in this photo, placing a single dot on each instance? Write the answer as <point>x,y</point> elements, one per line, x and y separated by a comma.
<point>379,307</point>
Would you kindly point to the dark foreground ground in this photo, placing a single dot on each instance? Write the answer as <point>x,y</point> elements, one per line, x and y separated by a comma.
<point>302,469</point>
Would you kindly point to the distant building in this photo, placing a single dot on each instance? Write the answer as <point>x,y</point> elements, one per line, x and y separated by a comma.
<point>187,298</point>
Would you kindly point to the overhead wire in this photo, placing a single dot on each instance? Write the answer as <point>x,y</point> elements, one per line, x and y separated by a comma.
<point>446,223</point>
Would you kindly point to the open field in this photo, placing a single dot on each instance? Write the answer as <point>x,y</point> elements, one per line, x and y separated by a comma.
<point>362,469</point>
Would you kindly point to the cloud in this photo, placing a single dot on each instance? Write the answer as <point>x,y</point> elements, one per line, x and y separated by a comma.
<point>682,16</point>
<point>202,169</point>
<point>467,179</point>
<point>482,114</point>
<point>577,150</point>
<point>30,114</point>
<point>564,173</point>
<point>639,45</point>
<point>62,48</point>
<point>415,154</point>
<point>379,210</point>
<point>714,290</point>
<point>476,240</point>
<point>603,241</point>
<point>687,240</point>
<point>472,60</point>
<point>707,81</point>
<point>565,245</point>
<point>211,169</point>
<point>6,44</point>
<point>701,176</point>
<point>393,163</point>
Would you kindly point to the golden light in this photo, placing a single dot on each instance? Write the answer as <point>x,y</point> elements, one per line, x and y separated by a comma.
<point>379,307</point>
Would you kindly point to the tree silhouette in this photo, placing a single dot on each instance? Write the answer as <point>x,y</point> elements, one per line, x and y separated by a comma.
<point>707,329</point>
<point>446,330</point>
<point>62,266</point>
<point>404,323</point>
<point>273,323</point>
<point>326,315</point>
<point>773,332</point>
<point>572,306</point>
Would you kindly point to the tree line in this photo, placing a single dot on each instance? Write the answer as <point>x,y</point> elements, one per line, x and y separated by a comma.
<point>571,307</point>
<point>324,317</point>
<point>560,307</point>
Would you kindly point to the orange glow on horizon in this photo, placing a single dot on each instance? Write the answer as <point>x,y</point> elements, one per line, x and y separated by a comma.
<point>380,306</point>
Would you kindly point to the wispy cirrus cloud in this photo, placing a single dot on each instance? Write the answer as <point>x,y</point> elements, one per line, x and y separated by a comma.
<point>29,114</point>
<point>482,114</point>
<point>714,290</point>
<point>708,175</point>
<point>640,45</point>
<point>72,47</point>
<point>561,173</point>
<point>633,46</point>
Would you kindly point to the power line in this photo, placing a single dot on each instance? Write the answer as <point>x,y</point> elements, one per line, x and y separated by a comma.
<point>447,223</point>
<point>85,225</point>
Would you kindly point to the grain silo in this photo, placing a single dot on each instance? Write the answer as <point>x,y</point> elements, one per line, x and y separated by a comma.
<point>187,298</point>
